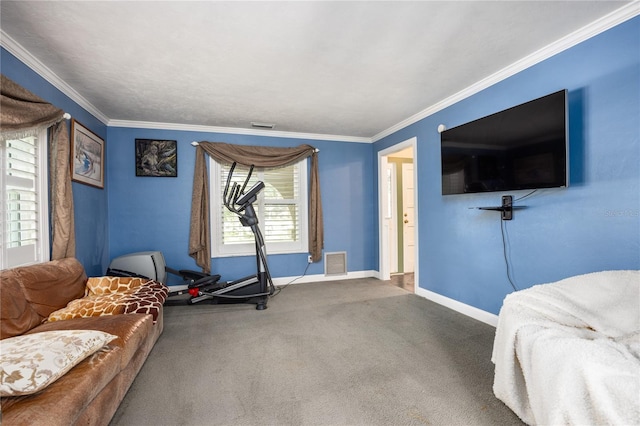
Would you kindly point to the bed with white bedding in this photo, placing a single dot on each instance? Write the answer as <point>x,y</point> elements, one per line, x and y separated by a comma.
<point>568,353</point>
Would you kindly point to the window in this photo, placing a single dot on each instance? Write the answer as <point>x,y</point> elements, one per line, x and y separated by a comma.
<point>281,208</point>
<point>24,234</point>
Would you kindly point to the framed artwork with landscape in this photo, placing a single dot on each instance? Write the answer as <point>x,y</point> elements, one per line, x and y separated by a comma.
<point>156,157</point>
<point>87,156</point>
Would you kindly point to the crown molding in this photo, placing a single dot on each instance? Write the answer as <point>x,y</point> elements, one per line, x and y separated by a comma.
<point>614,18</point>
<point>235,131</point>
<point>45,72</point>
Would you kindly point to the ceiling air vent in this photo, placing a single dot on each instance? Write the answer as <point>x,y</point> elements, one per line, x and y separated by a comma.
<point>256,125</point>
<point>335,263</point>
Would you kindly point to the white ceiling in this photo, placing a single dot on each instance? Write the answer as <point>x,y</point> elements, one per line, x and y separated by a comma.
<point>354,69</point>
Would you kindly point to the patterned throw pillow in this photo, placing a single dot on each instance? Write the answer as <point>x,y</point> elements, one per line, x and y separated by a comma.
<point>108,285</point>
<point>31,362</point>
<point>115,296</point>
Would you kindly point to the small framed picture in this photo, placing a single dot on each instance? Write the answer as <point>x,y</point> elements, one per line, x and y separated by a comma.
<point>156,158</point>
<point>87,156</point>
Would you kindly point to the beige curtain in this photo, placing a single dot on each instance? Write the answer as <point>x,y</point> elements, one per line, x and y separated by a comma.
<point>261,157</point>
<point>24,114</point>
<point>61,195</point>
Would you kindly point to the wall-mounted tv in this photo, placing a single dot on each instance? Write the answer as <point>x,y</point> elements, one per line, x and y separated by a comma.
<point>523,147</point>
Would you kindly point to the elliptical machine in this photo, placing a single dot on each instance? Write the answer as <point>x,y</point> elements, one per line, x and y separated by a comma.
<point>253,288</point>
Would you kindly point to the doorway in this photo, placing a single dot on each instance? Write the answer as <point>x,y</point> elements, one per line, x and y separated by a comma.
<point>398,213</point>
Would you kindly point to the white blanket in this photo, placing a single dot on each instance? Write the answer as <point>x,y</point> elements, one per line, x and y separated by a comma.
<point>568,353</point>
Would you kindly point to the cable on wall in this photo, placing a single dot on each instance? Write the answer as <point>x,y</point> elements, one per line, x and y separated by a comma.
<point>526,195</point>
<point>504,252</point>
<point>503,231</point>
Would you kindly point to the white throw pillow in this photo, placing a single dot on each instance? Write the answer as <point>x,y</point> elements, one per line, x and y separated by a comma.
<point>31,362</point>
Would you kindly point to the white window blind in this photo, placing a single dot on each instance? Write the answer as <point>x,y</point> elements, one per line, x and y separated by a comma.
<point>24,235</point>
<point>281,208</point>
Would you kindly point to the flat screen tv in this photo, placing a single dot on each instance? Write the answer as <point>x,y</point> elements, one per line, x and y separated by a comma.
<point>523,147</point>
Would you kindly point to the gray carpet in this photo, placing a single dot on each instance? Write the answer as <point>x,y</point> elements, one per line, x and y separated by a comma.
<point>352,352</point>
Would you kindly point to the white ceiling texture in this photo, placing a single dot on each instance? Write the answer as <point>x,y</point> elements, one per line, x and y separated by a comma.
<point>350,70</point>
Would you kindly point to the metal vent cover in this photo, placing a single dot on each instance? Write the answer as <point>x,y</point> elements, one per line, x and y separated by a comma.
<point>335,263</point>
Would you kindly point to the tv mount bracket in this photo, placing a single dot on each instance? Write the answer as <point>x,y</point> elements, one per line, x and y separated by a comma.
<point>506,209</point>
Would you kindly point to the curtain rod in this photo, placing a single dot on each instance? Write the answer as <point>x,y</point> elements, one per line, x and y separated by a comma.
<point>194,143</point>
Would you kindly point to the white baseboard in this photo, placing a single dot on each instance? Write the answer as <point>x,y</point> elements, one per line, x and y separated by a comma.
<point>322,277</point>
<point>463,308</point>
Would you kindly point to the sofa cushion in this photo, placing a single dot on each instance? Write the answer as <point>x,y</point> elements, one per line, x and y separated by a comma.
<point>132,330</point>
<point>51,285</point>
<point>16,314</point>
<point>29,363</point>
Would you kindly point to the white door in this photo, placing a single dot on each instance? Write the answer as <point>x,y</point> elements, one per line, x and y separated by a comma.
<point>408,218</point>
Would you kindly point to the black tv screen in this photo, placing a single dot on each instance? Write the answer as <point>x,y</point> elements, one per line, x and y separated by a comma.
<point>523,147</point>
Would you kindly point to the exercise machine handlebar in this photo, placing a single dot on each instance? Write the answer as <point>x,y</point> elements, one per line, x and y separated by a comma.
<point>235,198</point>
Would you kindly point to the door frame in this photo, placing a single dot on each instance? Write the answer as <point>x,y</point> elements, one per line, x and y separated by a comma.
<point>383,240</point>
<point>404,210</point>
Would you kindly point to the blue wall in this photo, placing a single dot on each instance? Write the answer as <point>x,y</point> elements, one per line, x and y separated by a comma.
<point>592,225</point>
<point>90,203</point>
<point>150,213</point>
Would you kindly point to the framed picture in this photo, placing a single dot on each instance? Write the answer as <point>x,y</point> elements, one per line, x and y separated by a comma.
<point>156,158</point>
<point>87,156</point>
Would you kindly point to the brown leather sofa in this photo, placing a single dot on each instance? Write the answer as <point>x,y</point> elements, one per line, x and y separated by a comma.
<point>89,393</point>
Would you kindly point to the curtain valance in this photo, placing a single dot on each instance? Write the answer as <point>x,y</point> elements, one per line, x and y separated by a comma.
<point>260,157</point>
<point>24,114</point>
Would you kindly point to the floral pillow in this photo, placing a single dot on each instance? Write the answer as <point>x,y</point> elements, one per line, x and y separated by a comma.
<point>30,363</point>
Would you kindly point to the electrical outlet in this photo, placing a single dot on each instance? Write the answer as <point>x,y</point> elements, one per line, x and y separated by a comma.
<point>309,259</point>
